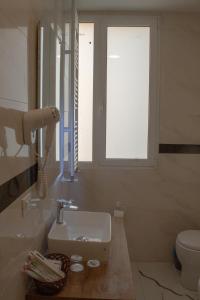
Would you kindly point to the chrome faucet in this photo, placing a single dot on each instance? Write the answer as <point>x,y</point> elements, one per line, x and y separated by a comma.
<point>61,204</point>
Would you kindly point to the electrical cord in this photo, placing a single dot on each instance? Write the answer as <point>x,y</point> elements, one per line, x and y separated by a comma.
<point>164,287</point>
<point>19,150</point>
<point>42,185</point>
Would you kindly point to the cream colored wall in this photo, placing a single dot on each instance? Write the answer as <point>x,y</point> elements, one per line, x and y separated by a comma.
<point>159,202</point>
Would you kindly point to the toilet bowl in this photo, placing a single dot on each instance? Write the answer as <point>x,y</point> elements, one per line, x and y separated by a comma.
<point>188,252</point>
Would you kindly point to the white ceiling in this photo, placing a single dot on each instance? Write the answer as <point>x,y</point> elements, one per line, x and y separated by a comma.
<point>141,5</point>
<point>105,5</point>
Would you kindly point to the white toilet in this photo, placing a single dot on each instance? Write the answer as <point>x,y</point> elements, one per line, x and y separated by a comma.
<point>188,252</point>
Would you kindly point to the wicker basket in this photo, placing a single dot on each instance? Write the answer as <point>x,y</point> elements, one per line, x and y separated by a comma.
<point>51,288</point>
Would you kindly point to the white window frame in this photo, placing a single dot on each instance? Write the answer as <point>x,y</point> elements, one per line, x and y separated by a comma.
<point>101,22</point>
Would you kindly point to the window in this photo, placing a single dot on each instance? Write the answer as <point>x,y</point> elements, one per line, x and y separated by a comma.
<point>117,114</point>
<point>85,109</point>
<point>120,128</point>
<point>127,92</point>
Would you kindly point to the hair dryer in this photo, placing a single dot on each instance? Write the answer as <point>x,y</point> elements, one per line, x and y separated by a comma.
<point>40,118</point>
<point>35,119</point>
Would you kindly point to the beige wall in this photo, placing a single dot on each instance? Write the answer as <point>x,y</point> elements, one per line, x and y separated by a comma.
<point>159,202</point>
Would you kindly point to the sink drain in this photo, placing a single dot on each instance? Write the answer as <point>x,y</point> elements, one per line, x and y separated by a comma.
<point>82,238</point>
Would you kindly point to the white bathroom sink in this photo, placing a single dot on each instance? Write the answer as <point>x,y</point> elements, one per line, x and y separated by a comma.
<point>83,233</point>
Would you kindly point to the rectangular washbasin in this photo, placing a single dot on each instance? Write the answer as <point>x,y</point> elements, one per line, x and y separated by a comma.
<point>83,233</point>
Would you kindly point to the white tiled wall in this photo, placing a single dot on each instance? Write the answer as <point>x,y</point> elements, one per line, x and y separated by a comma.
<point>180,73</point>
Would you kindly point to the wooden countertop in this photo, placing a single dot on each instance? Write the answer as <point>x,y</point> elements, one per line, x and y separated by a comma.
<point>111,281</point>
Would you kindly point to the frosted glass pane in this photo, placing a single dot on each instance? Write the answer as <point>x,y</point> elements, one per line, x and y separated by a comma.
<point>127,92</point>
<point>85,111</point>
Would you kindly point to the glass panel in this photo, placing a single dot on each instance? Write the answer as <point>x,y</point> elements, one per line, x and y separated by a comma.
<point>66,87</point>
<point>58,53</point>
<point>127,92</point>
<point>41,64</point>
<point>66,140</point>
<point>85,115</point>
<point>67,36</point>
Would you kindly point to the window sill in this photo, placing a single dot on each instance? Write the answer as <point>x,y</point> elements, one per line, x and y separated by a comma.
<point>120,165</point>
